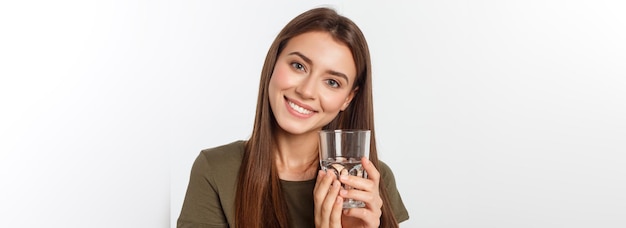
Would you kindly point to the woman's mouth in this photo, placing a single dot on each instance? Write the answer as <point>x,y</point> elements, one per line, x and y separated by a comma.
<point>299,109</point>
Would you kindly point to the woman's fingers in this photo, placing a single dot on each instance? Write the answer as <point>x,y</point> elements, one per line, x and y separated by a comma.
<point>321,189</point>
<point>335,215</point>
<point>321,186</point>
<point>329,195</point>
<point>372,199</point>
<point>369,184</point>
<point>372,172</point>
<point>362,217</point>
<point>328,203</point>
<point>365,190</point>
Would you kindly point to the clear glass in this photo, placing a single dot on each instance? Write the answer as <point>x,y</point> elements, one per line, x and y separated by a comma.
<point>341,152</point>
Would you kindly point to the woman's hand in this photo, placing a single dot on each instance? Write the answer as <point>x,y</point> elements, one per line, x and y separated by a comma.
<point>328,197</point>
<point>328,203</point>
<point>365,190</point>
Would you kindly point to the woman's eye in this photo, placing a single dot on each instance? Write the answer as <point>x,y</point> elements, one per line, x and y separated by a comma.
<point>297,66</point>
<point>332,83</point>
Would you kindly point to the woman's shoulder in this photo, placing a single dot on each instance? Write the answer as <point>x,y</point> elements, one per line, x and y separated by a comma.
<point>222,159</point>
<point>383,167</point>
<point>386,173</point>
<point>228,151</point>
<point>395,199</point>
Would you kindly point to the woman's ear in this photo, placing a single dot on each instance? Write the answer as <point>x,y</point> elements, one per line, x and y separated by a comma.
<point>349,99</point>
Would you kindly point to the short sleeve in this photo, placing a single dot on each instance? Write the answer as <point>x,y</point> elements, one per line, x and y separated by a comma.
<point>395,200</point>
<point>201,207</point>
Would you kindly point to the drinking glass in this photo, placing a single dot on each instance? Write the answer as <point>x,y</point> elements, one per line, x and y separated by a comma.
<point>341,152</point>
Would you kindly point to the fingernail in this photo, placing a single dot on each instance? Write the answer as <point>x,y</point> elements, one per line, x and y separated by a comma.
<point>343,192</point>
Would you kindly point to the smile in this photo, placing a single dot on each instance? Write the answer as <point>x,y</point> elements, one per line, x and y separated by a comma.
<point>299,108</point>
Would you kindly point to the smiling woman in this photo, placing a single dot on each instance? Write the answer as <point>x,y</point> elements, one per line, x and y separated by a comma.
<point>308,87</point>
<point>316,76</point>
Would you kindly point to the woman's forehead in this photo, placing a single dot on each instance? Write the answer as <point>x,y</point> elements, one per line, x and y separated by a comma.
<point>322,49</point>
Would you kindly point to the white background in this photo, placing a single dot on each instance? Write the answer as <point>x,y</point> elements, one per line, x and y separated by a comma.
<point>490,113</point>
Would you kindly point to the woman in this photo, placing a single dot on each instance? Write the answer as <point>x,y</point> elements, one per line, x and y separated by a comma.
<point>316,76</point>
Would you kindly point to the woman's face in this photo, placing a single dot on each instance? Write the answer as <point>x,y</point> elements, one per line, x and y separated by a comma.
<point>312,81</point>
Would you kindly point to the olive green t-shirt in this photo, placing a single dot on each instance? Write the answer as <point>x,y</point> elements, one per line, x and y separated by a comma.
<point>210,198</point>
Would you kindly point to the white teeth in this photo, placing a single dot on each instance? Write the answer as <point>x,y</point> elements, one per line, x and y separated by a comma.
<point>298,108</point>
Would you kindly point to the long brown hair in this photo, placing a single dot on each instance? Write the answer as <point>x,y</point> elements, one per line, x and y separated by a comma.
<point>259,200</point>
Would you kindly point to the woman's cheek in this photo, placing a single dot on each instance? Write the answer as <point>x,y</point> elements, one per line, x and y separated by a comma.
<point>331,103</point>
<point>280,76</point>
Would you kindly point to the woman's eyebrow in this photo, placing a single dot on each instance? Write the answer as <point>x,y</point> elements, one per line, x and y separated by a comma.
<point>306,59</point>
<point>336,73</point>
<point>332,72</point>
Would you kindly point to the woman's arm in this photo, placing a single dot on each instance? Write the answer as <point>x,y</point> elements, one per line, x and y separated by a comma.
<point>201,207</point>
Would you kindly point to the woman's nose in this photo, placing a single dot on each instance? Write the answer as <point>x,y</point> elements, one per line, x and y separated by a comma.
<point>307,87</point>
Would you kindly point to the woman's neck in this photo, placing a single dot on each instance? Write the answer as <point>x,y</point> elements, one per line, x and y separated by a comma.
<point>297,157</point>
